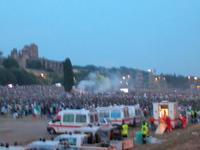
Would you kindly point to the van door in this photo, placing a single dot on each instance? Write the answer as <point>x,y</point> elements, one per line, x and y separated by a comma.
<point>68,123</point>
<point>81,120</point>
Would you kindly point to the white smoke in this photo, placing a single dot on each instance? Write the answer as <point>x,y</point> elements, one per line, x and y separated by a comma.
<point>97,83</point>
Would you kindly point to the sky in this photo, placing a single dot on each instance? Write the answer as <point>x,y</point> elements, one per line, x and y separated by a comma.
<point>159,34</point>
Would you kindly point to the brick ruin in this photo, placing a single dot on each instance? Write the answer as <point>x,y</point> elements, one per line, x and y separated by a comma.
<point>30,52</point>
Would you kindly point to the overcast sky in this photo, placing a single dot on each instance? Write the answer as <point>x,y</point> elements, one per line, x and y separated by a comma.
<point>159,34</point>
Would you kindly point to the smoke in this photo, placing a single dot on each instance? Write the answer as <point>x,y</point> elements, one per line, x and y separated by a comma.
<point>97,83</point>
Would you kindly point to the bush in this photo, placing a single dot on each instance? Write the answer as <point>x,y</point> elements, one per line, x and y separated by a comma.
<point>10,63</point>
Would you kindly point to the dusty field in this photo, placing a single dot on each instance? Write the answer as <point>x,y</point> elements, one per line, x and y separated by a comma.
<point>23,130</point>
<point>26,130</point>
<point>188,139</point>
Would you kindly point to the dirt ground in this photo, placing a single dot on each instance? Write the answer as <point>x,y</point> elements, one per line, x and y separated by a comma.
<point>26,130</point>
<point>179,139</point>
<point>22,131</point>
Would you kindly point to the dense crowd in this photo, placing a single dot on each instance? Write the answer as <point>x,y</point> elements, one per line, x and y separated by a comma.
<point>48,100</point>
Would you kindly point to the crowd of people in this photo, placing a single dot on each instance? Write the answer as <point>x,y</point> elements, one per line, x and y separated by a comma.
<point>48,100</point>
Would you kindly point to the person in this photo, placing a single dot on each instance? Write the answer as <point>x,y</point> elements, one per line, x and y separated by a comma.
<point>152,123</point>
<point>183,121</point>
<point>195,117</point>
<point>169,125</point>
<point>124,129</point>
<point>192,117</point>
<point>145,131</point>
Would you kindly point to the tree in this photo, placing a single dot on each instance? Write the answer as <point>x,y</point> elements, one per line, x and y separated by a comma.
<point>68,75</point>
<point>23,77</point>
<point>10,63</point>
<point>1,54</point>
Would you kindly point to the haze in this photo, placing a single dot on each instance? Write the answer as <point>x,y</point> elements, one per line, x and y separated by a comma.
<point>163,35</point>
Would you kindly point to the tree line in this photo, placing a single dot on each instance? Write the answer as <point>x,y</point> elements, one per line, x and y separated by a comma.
<point>10,72</point>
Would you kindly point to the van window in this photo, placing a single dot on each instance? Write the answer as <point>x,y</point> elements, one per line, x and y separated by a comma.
<point>70,140</point>
<point>68,118</point>
<point>103,114</point>
<point>91,118</point>
<point>115,114</point>
<point>81,118</point>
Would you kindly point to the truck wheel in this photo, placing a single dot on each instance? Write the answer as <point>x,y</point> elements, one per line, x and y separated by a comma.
<point>52,131</point>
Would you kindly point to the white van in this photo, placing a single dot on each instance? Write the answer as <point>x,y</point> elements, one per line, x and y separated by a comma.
<point>80,141</point>
<point>115,114</point>
<point>74,120</point>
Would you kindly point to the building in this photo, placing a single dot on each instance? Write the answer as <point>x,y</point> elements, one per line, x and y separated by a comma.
<point>30,53</point>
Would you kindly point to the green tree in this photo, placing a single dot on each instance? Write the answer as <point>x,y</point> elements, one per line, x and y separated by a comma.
<point>1,54</point>
<point>23,77</point>
<point>68,75</point>
<point>10,63</point>
<point>7,77</point>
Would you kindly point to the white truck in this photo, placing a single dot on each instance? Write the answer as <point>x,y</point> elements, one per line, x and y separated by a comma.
<point>74,120</point>
<point>163,109</point>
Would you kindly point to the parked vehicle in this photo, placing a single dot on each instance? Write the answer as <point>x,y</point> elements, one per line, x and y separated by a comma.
<point>115,114</point>
<point>163,109</point>
<point>81,141</point>
<point>74,120</point>
<point>49,145</point>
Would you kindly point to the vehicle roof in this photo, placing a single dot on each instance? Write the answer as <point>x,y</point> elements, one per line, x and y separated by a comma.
<point>165,102</point>
<point>71,136</point>
<point>76,111</point>
<point>111,107</point>
<point>45,144</point>
<point>135,106</point>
